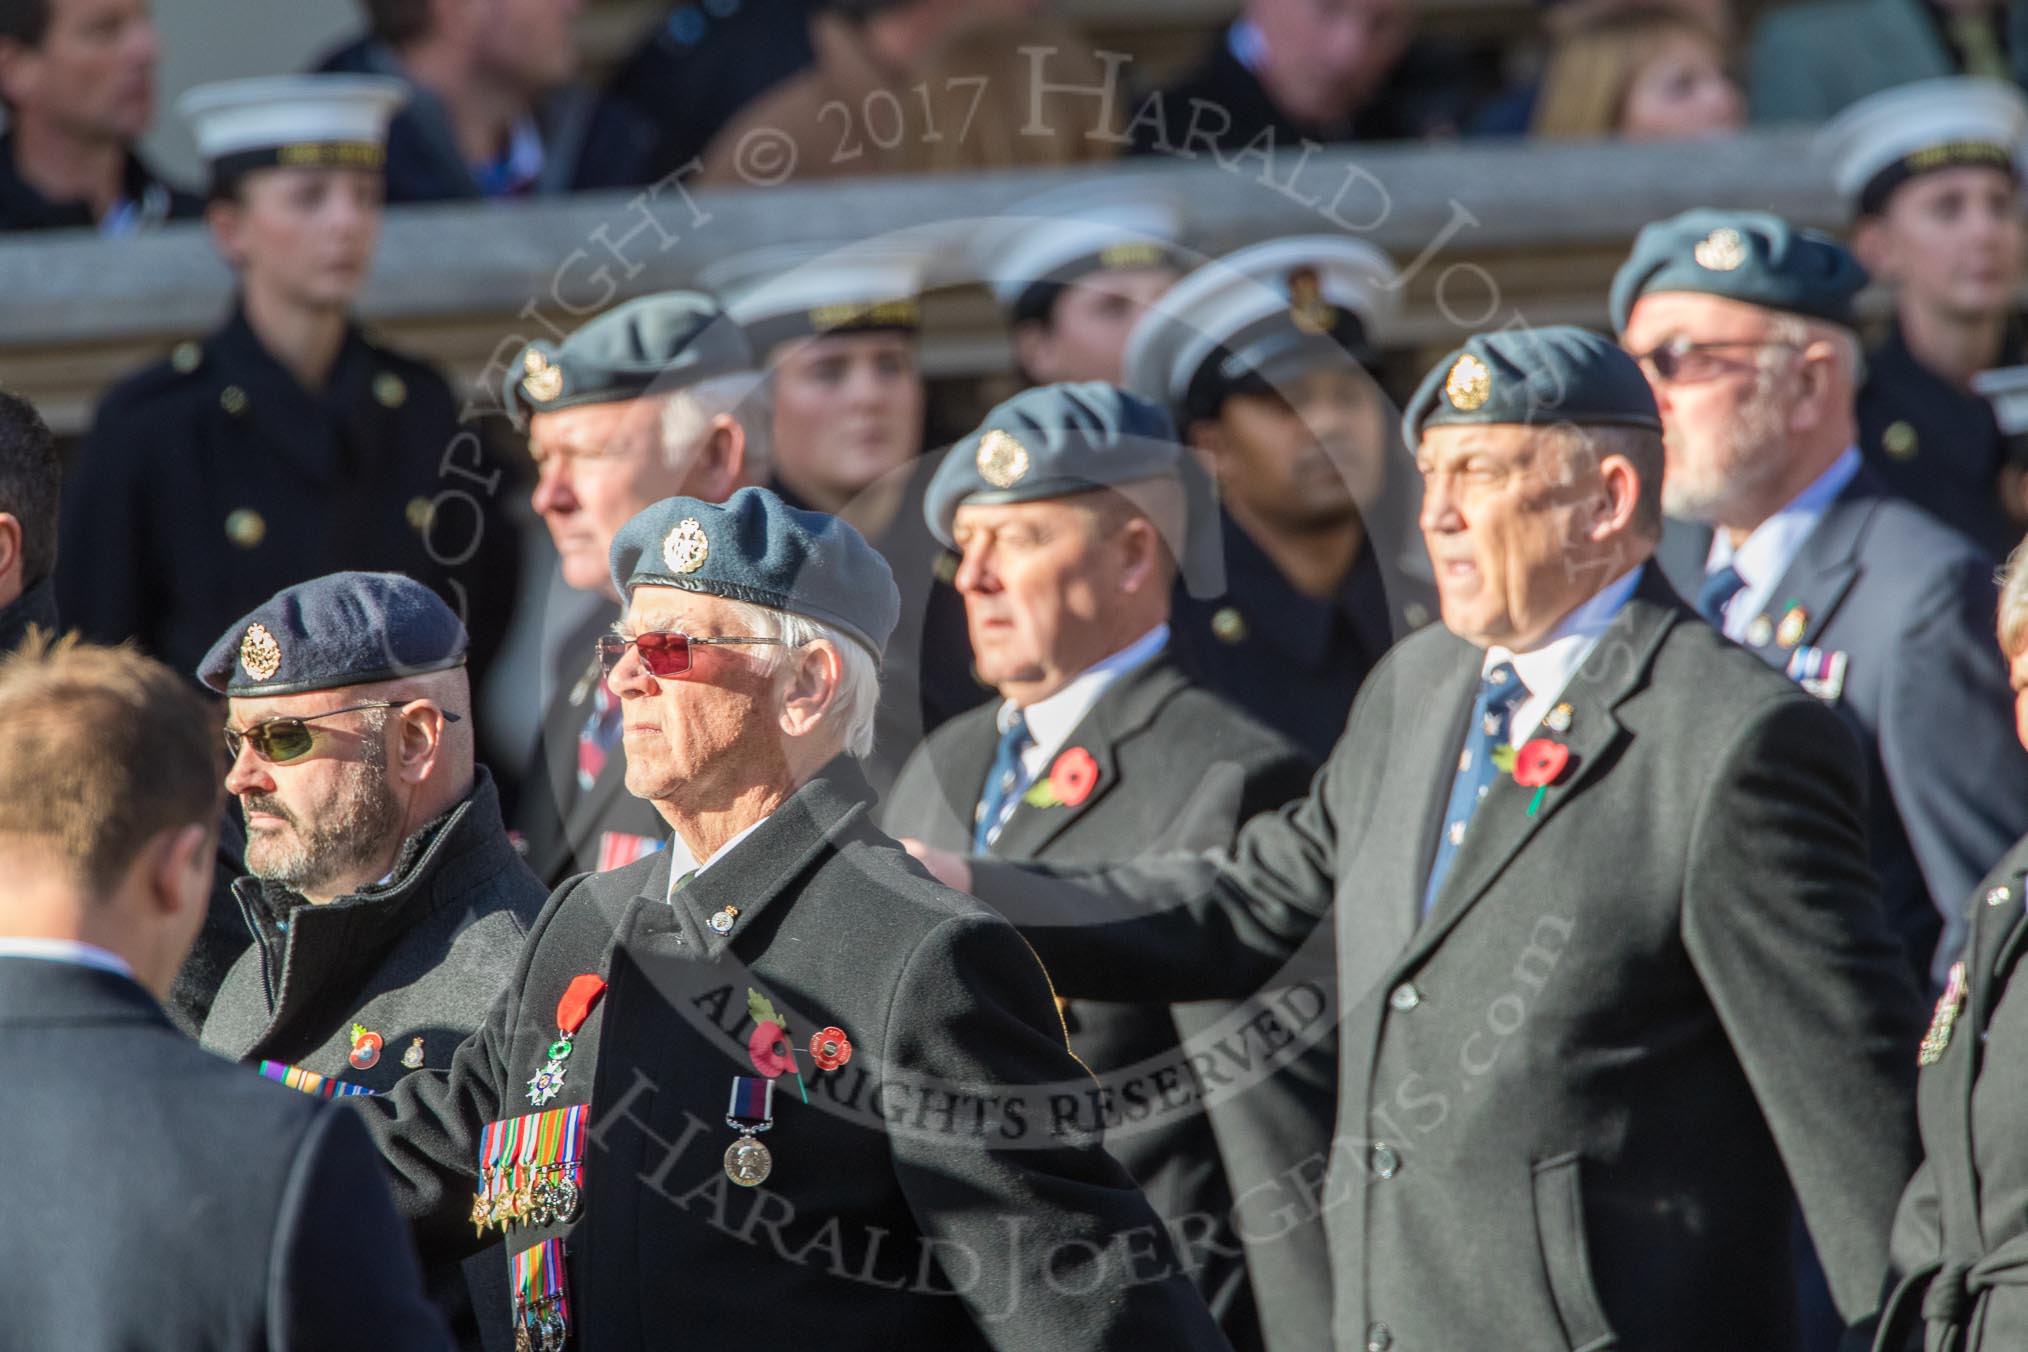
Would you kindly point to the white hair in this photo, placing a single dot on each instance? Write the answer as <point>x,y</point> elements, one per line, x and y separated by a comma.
<point>688,413</point>
<point>858,697</point>
<point>1787,331</point>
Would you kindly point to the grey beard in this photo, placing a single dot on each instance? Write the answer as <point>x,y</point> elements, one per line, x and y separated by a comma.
<point>358,827</point>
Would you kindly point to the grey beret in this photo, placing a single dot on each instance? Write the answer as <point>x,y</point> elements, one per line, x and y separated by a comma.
<point>754,547</point>
<point>1747,256</point>
<point>1533,377</point>
<point>342,629</point>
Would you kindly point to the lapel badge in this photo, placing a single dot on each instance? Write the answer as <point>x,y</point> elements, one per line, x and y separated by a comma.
<point>1228,625</point>
<point>543,380</point>
<point>1559,718</point>
<point>686,548</point>
<point>259,653</point>
<point>1759,632</point>
<point>245,527</point>
<point>1001,460</point>
<point>721,921</point>
<point>1790,633</point>
<point>413,1057</point>
<point>1899,440</point>
<point>1469,384</point>
<point>830,1048</point>
<point>1820,671</point>
<point>1723,250</point>
<point>1999,896</point>
<point>1940,1023</point>
<point>366,1046</point>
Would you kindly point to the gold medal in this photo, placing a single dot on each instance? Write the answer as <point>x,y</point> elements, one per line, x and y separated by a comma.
<point>747,1162</point>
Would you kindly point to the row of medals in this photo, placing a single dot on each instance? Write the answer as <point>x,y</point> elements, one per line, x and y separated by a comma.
<point>548,1197</point>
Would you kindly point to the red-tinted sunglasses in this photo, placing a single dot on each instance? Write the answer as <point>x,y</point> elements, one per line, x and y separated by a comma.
<point>664,652</point>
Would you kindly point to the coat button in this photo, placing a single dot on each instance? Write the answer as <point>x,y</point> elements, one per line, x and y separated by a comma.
<point>1385,1162</point>
<point>1379,1337</point>
<point>1405,996</point>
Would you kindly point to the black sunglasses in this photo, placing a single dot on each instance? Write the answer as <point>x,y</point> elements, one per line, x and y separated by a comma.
<point>664,652</point>
<point>280,740</point>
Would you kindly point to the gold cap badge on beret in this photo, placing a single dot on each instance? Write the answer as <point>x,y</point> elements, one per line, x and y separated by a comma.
<point>1469,384</point>
<point>1723,250</point>
<point>1001,459</point>
<point>543,381</point>
<point>259,653</point>
<point>686,547</point>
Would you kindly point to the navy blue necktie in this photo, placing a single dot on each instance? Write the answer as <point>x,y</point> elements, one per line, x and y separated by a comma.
<point>1001,782</point>
<point>1720,586</point>
<point>1500,694</point>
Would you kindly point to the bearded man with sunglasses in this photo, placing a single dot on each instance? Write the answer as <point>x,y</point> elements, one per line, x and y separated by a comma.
<point>1792,547</point>
<point>386,902</point>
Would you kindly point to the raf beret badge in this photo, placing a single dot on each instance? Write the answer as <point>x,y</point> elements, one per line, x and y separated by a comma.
<point>1723,250</point>
<point>1469,384</point>
<point>686,547</point>
<point>544,380</point>
<point>1002,460</point>
<point>259,653</point>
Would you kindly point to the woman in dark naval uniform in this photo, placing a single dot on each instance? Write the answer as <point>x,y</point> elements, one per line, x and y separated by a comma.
<point>285,445</point>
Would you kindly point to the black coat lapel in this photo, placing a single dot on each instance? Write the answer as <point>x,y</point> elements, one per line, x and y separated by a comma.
<point>1126,708</point>
<point>1502,827</point>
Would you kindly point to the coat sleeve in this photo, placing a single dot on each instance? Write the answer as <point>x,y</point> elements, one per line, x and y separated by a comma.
<point>427,1128</point>
<point>1957,772</point>
<point>343,1267</point>
<point>1783,922</point>
<point>1183,927</point>
<point>1039,1230</point>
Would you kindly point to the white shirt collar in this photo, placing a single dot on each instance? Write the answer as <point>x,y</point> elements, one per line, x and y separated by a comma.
<point>66,950</point>
<point>1546,670</point>
<point>1052,720</point>
<point>1763,558</point>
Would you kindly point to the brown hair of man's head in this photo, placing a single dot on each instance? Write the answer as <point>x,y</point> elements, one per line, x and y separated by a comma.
<point>101,750</point>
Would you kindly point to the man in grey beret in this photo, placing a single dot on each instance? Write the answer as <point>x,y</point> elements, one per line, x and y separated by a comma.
<point>1792,547</point>
<point>386,903</point>
<point>1612,968</point>
<point>800,1089</point>
<point>1072,508</point>
<point>646,401</point>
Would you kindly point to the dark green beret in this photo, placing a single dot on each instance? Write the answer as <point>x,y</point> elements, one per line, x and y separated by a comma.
<point>651,345</point>
<point>1747,256</point>
<point>1055,440</point>
<point>754,547</point>
<point>338,630</point>
<point>1536,378</point>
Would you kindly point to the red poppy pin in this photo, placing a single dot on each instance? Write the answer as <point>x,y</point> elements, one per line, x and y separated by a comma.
<point>1069,782</point>
<point>768,1047</point>
<point>830,1048</point>
<point>1539,764</point>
